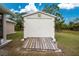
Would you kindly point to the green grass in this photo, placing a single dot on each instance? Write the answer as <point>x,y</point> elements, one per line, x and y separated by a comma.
<point>68,41</point>
<point>18,35</point>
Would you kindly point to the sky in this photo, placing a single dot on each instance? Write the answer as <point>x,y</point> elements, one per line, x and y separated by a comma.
<point>68,10</point>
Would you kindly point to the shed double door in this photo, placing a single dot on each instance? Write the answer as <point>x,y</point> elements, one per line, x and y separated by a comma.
<point>38,27</point>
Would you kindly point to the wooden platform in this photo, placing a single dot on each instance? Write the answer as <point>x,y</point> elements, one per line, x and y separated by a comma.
<point>36,43</point>
<point>5,43</point>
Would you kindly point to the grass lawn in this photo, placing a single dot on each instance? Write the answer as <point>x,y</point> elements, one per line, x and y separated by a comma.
<point>68,41</point>
<point>15,36</point>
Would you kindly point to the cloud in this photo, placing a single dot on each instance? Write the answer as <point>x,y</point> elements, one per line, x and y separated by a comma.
<point>29,8</point>
<point>14,10</point>
<point>40,4</point>
<point>68,6</point>
<point>19,7</point>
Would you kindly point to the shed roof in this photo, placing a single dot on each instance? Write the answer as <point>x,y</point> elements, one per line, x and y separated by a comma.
<point>41,13</point>
<point>10,21</point>
<point>5,10</point>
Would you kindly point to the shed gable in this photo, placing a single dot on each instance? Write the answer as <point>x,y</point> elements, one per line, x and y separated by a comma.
<point>39,15</point>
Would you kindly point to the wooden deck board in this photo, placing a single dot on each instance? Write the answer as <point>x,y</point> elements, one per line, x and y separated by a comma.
<point>33,43</point>
<point>39,43</point>
<point>47,44</point>
<point>25,43</point>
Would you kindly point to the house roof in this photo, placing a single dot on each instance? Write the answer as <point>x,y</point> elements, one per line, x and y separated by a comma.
<point>10,21</point>
<point>41,13</point>
<point>5,10</point>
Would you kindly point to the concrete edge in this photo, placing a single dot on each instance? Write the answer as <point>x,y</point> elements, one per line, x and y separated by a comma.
<point>5,43</point>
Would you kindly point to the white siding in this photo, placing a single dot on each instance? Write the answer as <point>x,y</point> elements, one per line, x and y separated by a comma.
<point>10,28</point>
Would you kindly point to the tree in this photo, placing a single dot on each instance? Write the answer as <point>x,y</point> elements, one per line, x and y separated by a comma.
<point>71,24</point>
<point>54,9</point>
<point>74,25</point>
<point>19,22</point>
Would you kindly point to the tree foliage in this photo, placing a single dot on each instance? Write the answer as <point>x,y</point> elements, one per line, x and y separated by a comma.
<point>74,25</point>
<point>54,10</point>
<point>19,22</point>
